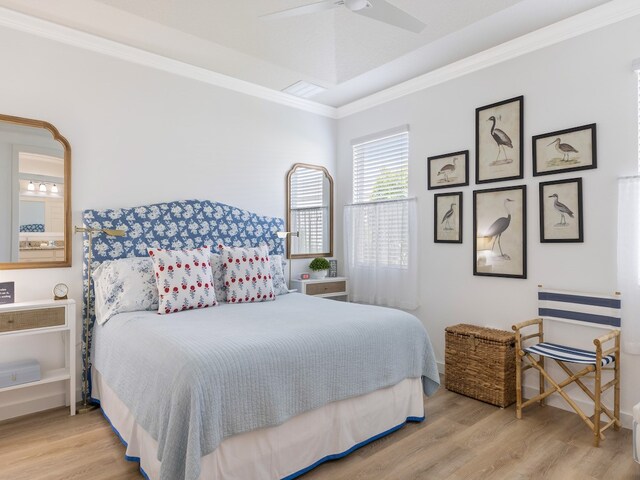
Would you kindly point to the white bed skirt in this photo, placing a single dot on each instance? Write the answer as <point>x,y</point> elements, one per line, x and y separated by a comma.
<point>285,451</point>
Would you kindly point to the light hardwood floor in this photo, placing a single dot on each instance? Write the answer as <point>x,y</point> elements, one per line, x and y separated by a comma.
<point>462,439</point>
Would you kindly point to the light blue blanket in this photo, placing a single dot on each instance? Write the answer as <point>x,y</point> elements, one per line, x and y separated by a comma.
<point>192,379</point>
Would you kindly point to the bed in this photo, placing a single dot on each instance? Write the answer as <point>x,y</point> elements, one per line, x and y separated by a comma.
<point>263,391</point>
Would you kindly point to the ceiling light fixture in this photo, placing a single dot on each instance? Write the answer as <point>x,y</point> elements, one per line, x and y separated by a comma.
<point>355,5</point>
<point>31,187</point>
<point>304,89</point>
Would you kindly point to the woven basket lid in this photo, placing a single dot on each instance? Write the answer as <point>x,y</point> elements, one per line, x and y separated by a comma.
<point>484,333</point>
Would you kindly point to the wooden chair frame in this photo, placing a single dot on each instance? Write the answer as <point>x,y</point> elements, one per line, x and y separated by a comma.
<point>573,377</point>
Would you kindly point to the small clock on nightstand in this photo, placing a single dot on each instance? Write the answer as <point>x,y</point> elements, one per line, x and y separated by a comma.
<point>60,292</point>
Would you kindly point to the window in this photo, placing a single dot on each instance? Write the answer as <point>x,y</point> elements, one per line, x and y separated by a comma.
<point>380,182</point>
<point>380,167</point>
<point>309,212</point>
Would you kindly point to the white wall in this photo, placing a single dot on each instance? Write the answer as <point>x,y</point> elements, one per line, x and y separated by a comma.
<point>583,80</point>
<point>140,136</point>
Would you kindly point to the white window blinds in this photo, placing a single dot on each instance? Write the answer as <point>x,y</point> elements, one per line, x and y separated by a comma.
<point>309,213</point>
<point>380,167</point>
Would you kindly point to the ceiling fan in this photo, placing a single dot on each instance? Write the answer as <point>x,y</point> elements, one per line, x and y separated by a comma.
<point>380,10</point>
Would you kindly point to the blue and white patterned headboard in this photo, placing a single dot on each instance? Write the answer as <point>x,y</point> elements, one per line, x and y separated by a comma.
<point>174,225</point>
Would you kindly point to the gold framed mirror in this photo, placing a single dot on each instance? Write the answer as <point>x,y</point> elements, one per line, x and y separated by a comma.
<point>309,211</point>
<point>35,187</point>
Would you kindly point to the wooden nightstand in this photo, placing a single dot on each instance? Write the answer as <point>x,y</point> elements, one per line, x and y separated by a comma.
<point>37,318</point>
<point>335,288</point>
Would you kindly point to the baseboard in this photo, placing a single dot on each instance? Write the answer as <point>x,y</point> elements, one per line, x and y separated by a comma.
<point>626,418</point>
<point>32,405</point>
<point>35,404</point>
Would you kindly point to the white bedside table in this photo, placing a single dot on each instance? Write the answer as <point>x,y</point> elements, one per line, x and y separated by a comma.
<point>37,318</point>
<point>335,288</point>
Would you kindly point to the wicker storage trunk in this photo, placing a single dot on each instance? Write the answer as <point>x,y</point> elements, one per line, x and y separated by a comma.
<point>480,363</point>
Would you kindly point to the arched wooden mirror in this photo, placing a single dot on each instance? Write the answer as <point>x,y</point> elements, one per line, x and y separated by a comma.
<point>309,211</point>
<point>35,193</point>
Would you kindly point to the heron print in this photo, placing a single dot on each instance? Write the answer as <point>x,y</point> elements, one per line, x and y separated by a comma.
<point>448,217</point>
<point>502,140</point>
<point>561,211</point>
<point>499,225</point>
<point>448,170</point>
<point>499,141</point>
<point>565,150</point>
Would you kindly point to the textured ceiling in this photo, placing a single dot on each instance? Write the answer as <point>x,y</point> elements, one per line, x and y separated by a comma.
<point>349,54</point>
<point>334,45</point>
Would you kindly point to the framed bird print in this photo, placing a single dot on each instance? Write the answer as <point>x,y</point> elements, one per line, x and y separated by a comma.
<point>500,232</point>
<point>499,141</point>
<point>561,211</point>
<point>565,150</point>
<point>448,170</point>
<point>447,217</point>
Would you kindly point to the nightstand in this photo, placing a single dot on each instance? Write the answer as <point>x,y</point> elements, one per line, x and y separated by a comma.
<point>335,288</point>
<point>37,318</point>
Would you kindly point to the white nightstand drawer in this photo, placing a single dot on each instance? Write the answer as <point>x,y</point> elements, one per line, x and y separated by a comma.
<point>326,287</point>
<point>36,318</point>
<point>335,288</point>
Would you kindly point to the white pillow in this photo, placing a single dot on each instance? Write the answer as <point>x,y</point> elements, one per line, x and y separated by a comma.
<point>277,272</point>
<point>218,278</point>
<point>124,285</point>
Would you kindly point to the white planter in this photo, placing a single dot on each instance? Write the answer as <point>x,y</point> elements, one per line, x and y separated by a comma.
<point>319,275</point>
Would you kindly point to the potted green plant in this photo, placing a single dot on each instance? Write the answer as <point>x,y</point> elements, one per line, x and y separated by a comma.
<point>319,267</point>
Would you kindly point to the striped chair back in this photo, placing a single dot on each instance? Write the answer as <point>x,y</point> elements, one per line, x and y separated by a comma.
<point>597,310</point>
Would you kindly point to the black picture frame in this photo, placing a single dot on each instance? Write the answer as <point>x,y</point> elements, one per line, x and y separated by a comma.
<point>586,141</point>
<point>446,223</point>
<point>568,230</point>
<point>492,264</point>
<point>443,166</point>
<point>500,140</point>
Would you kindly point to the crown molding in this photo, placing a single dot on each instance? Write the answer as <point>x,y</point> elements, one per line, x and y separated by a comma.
<point>593,19</point>
<point>69,36</point>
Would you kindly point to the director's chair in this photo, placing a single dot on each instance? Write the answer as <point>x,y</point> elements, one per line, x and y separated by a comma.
<point>586,309</point>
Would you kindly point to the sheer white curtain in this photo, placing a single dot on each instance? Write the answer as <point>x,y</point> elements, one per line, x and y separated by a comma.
<point>381,250</point>
<point>629,261</point>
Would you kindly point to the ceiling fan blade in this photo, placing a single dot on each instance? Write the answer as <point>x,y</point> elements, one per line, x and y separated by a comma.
<point>383,11</point>
<point>303,10</point>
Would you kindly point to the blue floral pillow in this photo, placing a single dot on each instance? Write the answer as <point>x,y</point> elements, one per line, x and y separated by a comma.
<point>124,285</point>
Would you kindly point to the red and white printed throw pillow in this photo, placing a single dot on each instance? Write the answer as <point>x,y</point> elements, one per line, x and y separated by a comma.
<point>247,274</point>
<point>184,279</point>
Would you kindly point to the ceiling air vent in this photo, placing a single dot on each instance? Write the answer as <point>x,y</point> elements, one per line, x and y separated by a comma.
<point>304,89</point>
